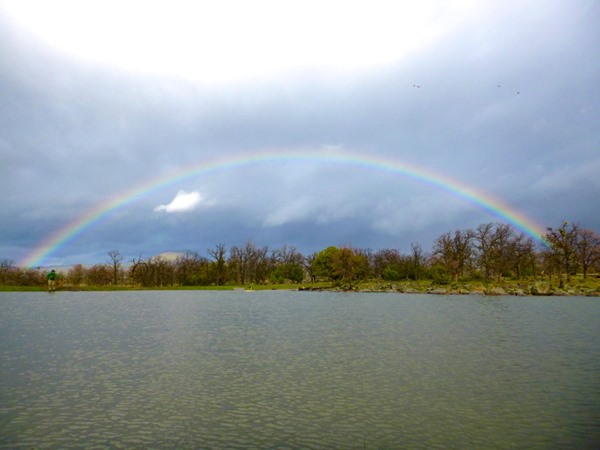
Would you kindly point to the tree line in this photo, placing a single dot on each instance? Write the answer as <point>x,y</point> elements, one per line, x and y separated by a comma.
<point>492,251</point>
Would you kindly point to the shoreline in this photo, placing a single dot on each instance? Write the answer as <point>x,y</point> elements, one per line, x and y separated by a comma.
<point>586,288</point>
<point>532,291</point>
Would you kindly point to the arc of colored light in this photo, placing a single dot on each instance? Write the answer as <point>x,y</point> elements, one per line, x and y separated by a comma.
<point>492,205</point>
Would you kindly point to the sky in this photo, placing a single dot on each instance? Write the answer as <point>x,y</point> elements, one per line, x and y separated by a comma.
<point>171,126</point>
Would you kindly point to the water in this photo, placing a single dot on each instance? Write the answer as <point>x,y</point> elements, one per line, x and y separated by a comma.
<point>197,369</point>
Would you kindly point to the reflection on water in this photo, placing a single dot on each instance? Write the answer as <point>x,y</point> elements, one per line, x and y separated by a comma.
<point>280,369</point>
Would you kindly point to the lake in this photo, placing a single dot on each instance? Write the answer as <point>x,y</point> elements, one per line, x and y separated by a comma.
<point>283,369</point>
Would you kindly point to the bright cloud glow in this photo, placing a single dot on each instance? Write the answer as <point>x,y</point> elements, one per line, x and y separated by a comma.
<point>232,40</point>
<point>183,201</point>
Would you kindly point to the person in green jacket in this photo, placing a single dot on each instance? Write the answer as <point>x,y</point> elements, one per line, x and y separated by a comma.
<point>51,277</point>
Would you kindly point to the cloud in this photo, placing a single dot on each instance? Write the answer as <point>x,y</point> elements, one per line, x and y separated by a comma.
<point>183,201</point>
<point>186,46</point>
<point>82,129</point>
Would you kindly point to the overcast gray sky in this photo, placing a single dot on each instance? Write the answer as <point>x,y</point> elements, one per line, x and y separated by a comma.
<point>100,98</point>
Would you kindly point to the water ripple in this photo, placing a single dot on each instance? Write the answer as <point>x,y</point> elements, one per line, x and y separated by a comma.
<point>297,370</point>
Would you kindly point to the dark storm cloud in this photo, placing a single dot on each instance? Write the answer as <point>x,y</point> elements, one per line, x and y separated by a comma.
<point>508,104</point>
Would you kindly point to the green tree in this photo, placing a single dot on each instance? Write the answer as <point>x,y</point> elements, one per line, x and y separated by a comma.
<point>349,266</point>
<point>287,264</point>
<point>322,266</point>
<point>388,264</point>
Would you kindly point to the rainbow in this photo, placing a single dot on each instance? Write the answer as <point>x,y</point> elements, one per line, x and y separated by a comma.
<point>76,227</point>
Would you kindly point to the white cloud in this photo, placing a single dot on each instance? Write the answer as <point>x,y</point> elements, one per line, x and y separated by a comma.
<point>183,201</point>
<point>259,37</point>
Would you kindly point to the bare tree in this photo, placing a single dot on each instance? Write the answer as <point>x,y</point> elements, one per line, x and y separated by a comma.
<point>483,238</point>
<point>115,259</point>
<point>309,263</point>
<point>417,260</point>
<point>76,274</point>
<point>588,248</point>
<point>286,264</point>
<point>220,268</point>
<point>257,262</point>
<point>237,265</point>
<point>99,274</point>
<point>164,271</point>
<point>523,255</point>
<point>455,251</point>
<point>494,244</point>
<point>563,247</point>
<point>191,269</point>
<point>133,267</point>
<point>6,269</point>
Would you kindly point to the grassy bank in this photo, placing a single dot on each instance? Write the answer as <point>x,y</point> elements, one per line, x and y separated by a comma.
<point>577,286</point>
<point>93,288</point>
<point>588,287</point>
